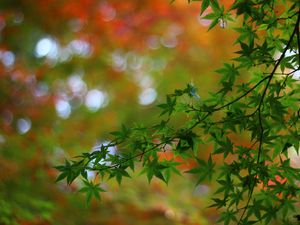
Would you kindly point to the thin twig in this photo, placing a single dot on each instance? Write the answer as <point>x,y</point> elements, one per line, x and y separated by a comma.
<point>243,95</point>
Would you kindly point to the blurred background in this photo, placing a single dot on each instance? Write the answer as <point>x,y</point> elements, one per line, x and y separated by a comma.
<point>71,72</point>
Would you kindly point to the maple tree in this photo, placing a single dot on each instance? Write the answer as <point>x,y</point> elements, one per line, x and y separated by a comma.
<point>55,57</point>
<point>258,97</point>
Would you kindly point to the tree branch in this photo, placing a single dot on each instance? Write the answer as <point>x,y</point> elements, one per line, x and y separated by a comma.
<point>295,31</point>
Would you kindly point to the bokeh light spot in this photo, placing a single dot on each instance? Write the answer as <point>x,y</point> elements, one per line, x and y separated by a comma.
<point>46,47</point>
<point>8,58</point>
<point>63,109</point>
<point>119,62</point>
<point>107,12</point>
<point>147,96</point>
<point>296,75</point>
<point>169,41</point>
<point>41,89</point>
<point>80,47</point>
<point>153,42</point>
<point>111,150</point>
<point>23,125</point>
<point>95,99</point>
<point>77,85</point>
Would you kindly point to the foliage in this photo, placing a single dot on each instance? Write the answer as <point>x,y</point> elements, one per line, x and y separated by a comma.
<point>120,48</point>
<point>258,98</point>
